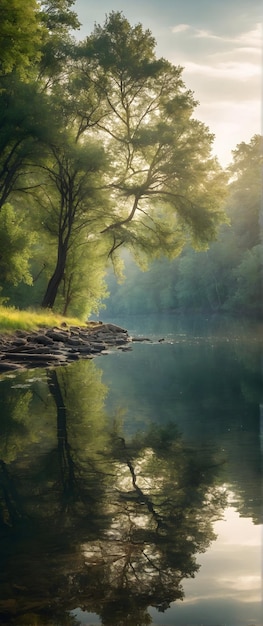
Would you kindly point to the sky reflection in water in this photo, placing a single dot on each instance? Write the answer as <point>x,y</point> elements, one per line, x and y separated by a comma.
<point>229,583</point>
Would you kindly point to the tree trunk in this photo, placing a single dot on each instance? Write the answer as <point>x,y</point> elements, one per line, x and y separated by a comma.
<point>66,463</point>
<point>67,294</point>
<point>55,280</point>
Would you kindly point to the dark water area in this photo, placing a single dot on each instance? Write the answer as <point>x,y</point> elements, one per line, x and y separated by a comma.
<point>131,484</point>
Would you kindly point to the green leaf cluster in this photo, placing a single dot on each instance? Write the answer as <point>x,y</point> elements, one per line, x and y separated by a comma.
<point>15,247</point>
<point>20,36</point>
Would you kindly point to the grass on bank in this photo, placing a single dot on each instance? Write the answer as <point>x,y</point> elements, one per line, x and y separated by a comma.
<point>12,319</point>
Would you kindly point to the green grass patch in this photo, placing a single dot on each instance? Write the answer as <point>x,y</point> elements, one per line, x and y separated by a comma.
<point>12,319</point>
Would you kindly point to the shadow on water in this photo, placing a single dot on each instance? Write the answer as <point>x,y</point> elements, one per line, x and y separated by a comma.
<point>104,513</point>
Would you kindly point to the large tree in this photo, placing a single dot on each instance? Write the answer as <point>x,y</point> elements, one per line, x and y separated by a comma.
<point>164,189</point>
<point>72,203</point>
<point>108,95</point>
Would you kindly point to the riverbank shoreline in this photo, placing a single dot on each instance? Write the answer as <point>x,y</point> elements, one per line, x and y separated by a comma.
<point>49,347</point>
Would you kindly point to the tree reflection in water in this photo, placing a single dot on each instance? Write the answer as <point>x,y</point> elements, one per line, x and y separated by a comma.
<point>94,520</point>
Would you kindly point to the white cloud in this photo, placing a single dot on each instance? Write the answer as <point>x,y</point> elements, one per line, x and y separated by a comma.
<point>228,71</point>
<point>238,58</point>
<point>231,569</point>
<point>206,34</point>
<point>181,28</point>
<point>225,73</point>
<point>252,38</point>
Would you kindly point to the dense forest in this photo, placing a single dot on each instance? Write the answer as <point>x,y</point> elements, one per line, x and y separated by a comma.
<point>102,160</point>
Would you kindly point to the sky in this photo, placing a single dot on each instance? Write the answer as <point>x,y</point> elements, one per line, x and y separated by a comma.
<point>219,45</point>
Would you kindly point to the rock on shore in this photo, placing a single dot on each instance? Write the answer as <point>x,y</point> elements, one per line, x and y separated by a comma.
<point>57,346</point>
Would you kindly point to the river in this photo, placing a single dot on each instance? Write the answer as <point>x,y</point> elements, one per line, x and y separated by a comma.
<point>131,484</point>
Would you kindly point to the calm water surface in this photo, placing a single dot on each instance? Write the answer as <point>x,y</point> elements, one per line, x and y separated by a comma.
<point>131,484</point>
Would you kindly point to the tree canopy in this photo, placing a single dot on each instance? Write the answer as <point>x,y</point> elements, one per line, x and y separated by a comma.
<point>163,173</point>
<point>101,150</point>
<point>20,36</point>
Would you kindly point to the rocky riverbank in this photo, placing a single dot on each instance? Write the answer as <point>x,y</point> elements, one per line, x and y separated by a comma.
<point>48,347</point>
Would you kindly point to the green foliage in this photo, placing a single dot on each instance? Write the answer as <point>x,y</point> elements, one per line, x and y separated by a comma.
<point>247,296</point>
<point>74,204</point>
<point>227,276</point>
<point>122,49</point>
<point>58,16</point>
<point>20,36</point>
<point>244,200</point>
<point>15,247</point>
<point>57,46</point>
<point>99,141</point>
<point>26,126</point>
<point>150,291</point>
<point>166,189</point>
<point>83,287</point>
<point>247,158</point>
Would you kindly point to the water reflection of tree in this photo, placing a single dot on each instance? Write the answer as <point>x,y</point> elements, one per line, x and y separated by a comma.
<point>164,503</point>
<point>111,525</point>
<point>80,474</point>
<point>212,388</point>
